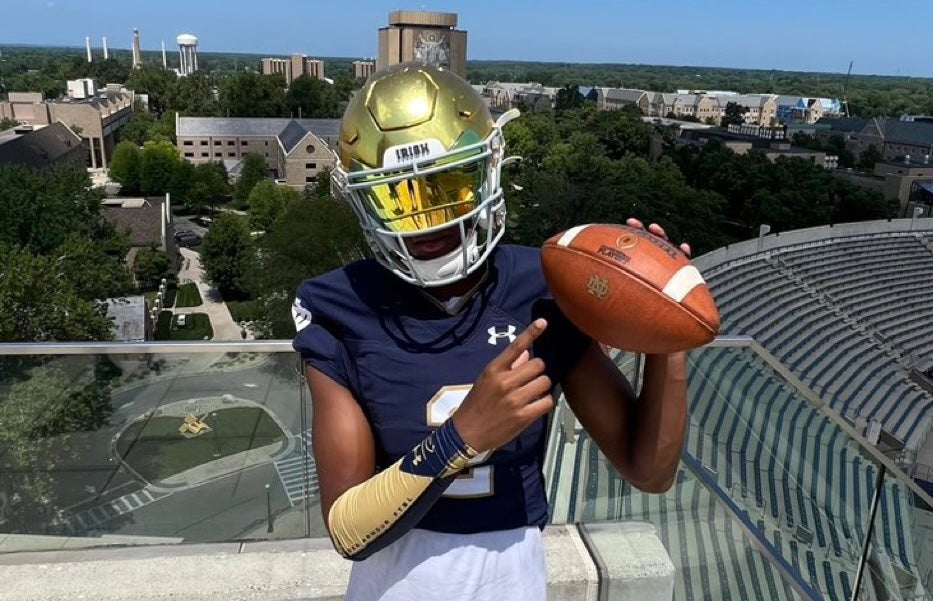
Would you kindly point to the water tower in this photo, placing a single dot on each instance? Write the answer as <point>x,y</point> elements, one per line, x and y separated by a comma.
<point>187,53</point>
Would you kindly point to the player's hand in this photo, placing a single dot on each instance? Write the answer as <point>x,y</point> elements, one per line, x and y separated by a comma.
<point>510,393</point>
<point>658,231</point>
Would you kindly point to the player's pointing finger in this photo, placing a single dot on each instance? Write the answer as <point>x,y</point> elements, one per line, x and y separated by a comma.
<point>522,343</point>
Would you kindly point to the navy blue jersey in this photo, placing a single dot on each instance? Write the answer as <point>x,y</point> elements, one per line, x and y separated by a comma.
<point>410,364</point>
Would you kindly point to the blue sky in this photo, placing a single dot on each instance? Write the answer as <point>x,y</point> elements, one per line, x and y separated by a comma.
<point>883,36</point>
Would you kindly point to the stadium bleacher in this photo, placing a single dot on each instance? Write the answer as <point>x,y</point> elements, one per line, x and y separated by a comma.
<point>842,309</point>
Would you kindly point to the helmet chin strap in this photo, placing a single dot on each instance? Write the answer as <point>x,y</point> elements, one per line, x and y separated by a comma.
<point>442,267</point>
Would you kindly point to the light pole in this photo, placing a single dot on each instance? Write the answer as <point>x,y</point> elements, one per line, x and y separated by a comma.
<point>269,528</point>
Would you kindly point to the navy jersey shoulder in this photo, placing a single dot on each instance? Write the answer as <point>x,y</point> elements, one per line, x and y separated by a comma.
<point>410,364</point>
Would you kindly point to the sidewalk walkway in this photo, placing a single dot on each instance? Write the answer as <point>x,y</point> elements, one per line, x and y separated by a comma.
<point>213,304</point>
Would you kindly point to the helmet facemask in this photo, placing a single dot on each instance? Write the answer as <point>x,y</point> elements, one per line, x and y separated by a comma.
<point>423,189</point>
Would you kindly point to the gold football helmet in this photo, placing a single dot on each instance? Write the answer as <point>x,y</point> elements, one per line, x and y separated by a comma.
<point>419,152</point>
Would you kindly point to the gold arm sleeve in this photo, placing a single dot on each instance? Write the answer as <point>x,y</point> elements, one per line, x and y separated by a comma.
<point>376,512</point>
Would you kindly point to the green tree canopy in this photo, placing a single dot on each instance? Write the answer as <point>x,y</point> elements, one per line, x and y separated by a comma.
<point>248,94</point>
<point>254,171</point>
<point>226,255</point>
<point>159,162</point>
<point>41,208</point>
<point>316,234</point>
<point>151,266</point>
<point>93,272</point>
<point>38,302</point>
<point>126,166</point>
<point>310,97</point>
<point>266,205</point>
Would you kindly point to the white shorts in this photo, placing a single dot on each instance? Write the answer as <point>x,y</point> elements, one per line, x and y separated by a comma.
<point>424,565</point>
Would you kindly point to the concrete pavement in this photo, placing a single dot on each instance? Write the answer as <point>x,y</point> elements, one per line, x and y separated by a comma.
<point>213,304</point>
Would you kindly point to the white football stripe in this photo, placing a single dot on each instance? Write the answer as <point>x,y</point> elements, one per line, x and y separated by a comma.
<point>681,283</point>
<point>570,234</point>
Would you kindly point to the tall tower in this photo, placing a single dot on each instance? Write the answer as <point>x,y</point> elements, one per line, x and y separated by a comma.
<point>187,53</point>
<point>137,55</point>
<point>425,36</point>
<point>87,44</point>
<point>164,59</point>
<point>106,56</point>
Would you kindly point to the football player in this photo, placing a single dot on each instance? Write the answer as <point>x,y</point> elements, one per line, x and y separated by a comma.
<point>432,366</point>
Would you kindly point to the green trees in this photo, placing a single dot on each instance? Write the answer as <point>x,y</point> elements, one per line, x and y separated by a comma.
<point>789,193</point>
<point>226,255</point>
<point>39,303</point>
<point>143,127</point>
<point>868,158</point>
<point>45,405</point>
<point>41,208</point>
<point>587,166</point>
<point>254,170</point>
<point>309,97</point>
<point>266,204</point>
<point>150,267</point>
<point>57,257</point>
<point>315,234</point>
<point>209,186</point>
<point>568,98</point>
<point>125,166</point>
<point>157,169</point>
<point>194,96</point>
<point>157,165</point>
<point>249,94</point>
<point>734,114</point>
<point>148,171</point>
<point>155,82</point>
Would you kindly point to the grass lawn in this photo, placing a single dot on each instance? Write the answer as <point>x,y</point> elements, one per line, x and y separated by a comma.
<point>197,328</point>
<point>156,450</point>
<point>169,297</point>
<point>188,296</point>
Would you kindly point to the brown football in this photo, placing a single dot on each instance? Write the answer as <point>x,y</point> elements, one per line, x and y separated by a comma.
<point>629,289</point>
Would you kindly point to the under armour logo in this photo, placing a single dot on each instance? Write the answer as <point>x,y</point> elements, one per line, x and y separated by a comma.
<point>300,315</point>
<point>495,335</point>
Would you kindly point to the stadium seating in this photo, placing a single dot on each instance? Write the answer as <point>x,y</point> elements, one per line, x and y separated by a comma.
<point>791,472</point>
<point>846,314</point>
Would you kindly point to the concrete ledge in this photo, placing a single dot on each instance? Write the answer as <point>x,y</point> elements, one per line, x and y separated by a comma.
<point>633,562</point>
<point>212,573</point>
<point>571,572</point>
<point>292,570</point>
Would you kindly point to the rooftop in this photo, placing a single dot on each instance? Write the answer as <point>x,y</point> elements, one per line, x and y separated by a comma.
<point>140,218</point>
<point>128,314</point>
<point>250,126</point>
<point>37,148</point>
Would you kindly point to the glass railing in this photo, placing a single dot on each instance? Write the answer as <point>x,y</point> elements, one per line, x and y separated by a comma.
<point>170,443</point>
<point>772,488</point>
<point>164,444</point>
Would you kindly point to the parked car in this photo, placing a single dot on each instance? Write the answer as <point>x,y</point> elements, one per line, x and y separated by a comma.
<point>188,239</point>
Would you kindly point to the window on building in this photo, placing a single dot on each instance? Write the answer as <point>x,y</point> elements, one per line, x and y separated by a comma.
<point>309,148</point>
<point>203,142</point>
<point>309,179</point>
<point>231,143</point>
<point>189,143</point>
<point>310,165</point>
<point>189,155</point>
<point>205,154</point>
<point>244,143</point>
<point>266,142</point>
<point>219,154</point>
<point>231,154</point>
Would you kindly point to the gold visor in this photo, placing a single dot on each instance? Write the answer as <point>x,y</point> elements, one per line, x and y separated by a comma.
<point>426,201</point>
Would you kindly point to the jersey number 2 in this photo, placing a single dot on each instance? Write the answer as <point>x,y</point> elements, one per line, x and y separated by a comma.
<point>475,481</point>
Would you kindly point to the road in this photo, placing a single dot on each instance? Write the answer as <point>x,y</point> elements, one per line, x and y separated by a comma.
<point>222,509</point>
<point>186,223</point>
